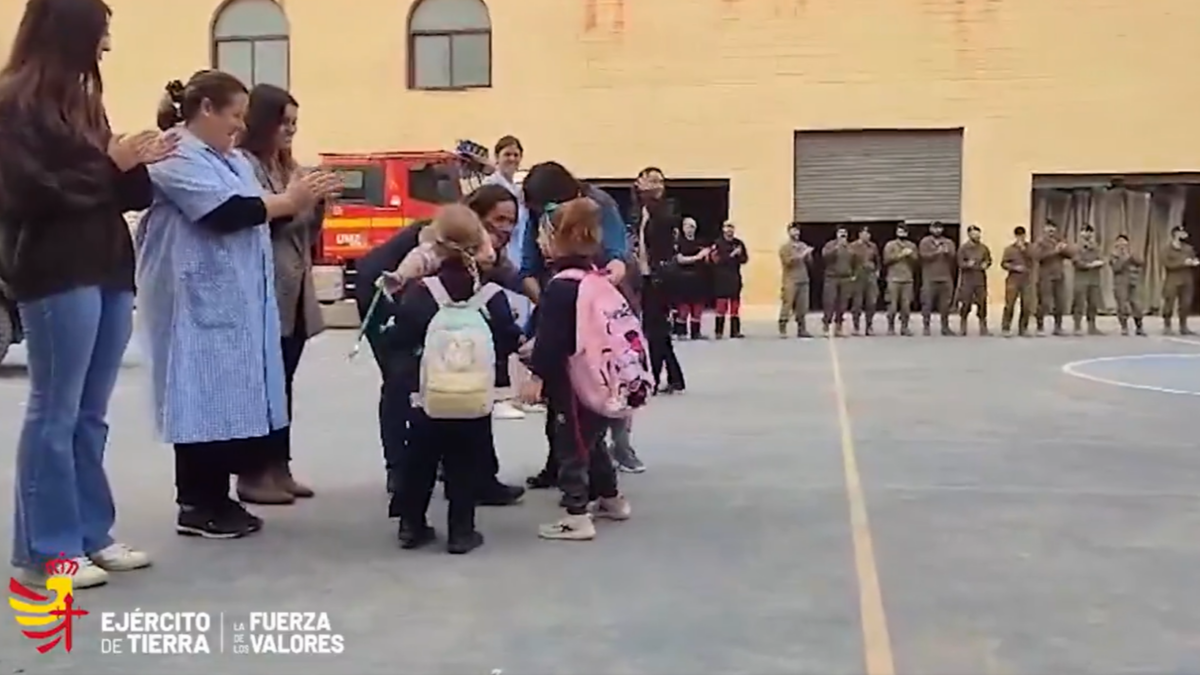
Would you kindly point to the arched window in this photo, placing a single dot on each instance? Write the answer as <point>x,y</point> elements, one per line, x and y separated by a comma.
<point>449,45</point>
<point>250,40</point>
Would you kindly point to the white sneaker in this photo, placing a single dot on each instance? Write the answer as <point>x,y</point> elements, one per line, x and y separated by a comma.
<point>87,576</point>
<point>612,508</point>
<point>118,557</point>
<point>503,410</point>
<point>570,528</point>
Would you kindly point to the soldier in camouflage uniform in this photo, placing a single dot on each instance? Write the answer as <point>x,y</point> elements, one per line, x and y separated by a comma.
<point>937,277</point>
<point>1088,261</point>
<point>1018,261</point>
<point>1127,269</point>
<point>865,297</point>
<point>900,257</point>
<point>974,260</point>
<point>1180,261</point>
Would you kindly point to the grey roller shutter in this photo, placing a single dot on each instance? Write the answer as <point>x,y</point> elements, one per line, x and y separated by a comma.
<point>911,175</point>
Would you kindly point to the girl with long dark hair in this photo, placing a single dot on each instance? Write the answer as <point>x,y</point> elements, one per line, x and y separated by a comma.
<point>271,120</point>
<point>66,255</point>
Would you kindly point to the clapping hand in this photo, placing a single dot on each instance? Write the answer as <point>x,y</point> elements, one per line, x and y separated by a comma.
<point>127,150</point>
<point>158,148</point>
<point>308,189</point>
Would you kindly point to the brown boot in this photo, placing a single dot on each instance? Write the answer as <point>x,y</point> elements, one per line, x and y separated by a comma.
<point>262,489</point>
<point>285,480</point>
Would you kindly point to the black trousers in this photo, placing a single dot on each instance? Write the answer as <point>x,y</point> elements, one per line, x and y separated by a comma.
<point>293,349</point>
<point>202,470</point>
<point>657,326</point>
<point>489,467</point>
<point>462,449</point>
<point>585,470</point>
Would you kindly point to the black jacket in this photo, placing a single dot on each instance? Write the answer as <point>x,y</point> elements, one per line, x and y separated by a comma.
<point>661,229</point>
<point>405,338</point>
<point>554,341</point>
<point>62,205</point>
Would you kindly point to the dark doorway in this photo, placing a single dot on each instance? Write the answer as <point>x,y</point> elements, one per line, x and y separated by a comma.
<point>818,234</point>
<point>1191,224</point>
<point>706,200</point>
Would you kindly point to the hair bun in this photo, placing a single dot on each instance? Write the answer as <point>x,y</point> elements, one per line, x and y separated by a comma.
<point>175,89</point>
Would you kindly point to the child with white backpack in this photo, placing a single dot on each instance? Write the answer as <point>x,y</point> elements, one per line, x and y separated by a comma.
<point>590,362</point>
<point>452,331</point>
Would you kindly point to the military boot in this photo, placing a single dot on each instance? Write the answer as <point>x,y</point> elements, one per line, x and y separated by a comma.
<point>869,327</point>
<point>962,325</point>
<point>1140,329</point>
<point>735,327</point>
<point>946,327</point>
<point>925,330</point>
<point>891,325</point>
<point>904,329</point>
<point>1092,329</point>
<point>1183,327</point>
<point>696,333</point>
<point>984,331</point>
<point>1058,329</point>
<point>1124,321</point>
<point>1078,327</point>
<point>857,322</point>
<point>719,327</point>
<point>783,329</point>
<point>1167,329</point>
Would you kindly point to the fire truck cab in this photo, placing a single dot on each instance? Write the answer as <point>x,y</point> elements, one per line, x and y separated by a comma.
<point>382,193</point>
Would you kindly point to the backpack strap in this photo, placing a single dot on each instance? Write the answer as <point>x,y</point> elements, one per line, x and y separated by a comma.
<point>438,291</point>
<point>482,297</point>
<point>573,273</point>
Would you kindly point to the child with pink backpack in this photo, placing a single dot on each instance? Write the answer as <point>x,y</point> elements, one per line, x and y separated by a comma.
<point>591,364</point>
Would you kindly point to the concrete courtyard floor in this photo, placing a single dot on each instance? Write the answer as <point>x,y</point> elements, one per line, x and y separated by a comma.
<point>923,505</point>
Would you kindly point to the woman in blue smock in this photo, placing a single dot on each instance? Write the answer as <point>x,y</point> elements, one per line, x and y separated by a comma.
<point>207,303</point>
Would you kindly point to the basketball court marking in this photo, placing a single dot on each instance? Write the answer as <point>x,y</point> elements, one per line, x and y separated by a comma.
<point>1074,369</point>
<point>1182,341</point>
<point>877,643</point>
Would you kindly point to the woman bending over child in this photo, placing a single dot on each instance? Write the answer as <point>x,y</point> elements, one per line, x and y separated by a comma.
<point>460,441</point>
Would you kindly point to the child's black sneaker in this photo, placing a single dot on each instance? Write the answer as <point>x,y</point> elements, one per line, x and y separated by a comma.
<point>458,544</point>
<point>542,481</point>
<point>194,521</point>
<point>415,535</point>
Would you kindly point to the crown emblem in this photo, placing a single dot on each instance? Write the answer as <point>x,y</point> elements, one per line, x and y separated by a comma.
<point>62,566</point>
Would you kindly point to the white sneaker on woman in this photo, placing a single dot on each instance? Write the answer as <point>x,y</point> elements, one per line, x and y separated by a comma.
<point>86,576</point>
<point>118,557</point>
<point>503,410</point>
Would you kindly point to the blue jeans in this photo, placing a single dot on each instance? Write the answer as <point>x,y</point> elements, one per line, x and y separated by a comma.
<point>75,341</point>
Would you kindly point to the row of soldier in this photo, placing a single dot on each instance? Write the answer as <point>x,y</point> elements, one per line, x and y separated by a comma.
<point>852,269</point>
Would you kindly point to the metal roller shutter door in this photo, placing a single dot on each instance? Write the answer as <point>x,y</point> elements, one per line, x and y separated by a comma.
<point>911,175</point>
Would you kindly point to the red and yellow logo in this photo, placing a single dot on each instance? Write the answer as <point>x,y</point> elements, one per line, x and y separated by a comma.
<point>48,621</point>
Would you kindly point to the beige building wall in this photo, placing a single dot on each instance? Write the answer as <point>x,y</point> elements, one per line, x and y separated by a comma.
<point>716,88</point>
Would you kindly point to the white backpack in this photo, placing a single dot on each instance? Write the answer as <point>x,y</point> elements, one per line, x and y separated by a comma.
<point>458,362</point>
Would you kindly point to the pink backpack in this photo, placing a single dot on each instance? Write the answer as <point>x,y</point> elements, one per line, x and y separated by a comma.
<point>610,370</point>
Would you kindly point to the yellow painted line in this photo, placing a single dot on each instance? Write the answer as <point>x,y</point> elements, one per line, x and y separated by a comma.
<point>877,643</point>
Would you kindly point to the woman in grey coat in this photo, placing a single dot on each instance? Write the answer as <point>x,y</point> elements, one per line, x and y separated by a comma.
<point>270,127</point>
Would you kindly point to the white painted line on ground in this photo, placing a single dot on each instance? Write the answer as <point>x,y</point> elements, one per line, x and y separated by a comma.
<point>1182,341</point>
<point>1073,369</point>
